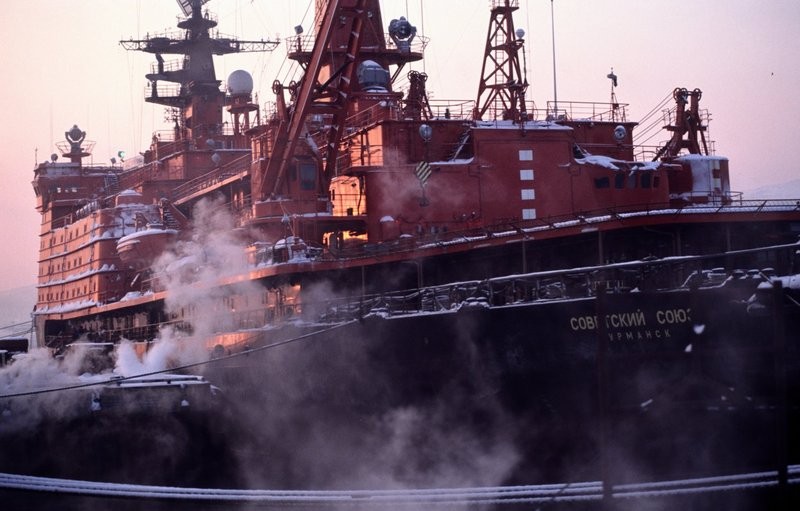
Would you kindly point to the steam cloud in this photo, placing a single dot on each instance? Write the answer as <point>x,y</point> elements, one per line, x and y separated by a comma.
<point>318,414</point>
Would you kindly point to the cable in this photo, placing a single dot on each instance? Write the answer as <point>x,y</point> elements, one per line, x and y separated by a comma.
<point>183,367</point>
<point>658,107</point>
<point>14,325</point>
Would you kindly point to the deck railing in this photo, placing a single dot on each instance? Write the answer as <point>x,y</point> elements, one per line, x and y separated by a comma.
<point>733,204</point>
<point>587,110</point>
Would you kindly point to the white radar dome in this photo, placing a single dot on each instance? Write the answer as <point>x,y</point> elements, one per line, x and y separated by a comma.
<point>240,82</point>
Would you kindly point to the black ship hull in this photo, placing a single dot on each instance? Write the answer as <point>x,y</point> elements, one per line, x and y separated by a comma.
<point>628,388</point>
<point>624,388</point>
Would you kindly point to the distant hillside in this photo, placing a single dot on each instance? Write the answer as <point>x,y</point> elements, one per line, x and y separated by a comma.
<point>15,307</point>
<point>788,190</point>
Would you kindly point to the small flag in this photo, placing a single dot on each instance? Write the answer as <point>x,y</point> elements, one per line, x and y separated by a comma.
<point>423,172</point>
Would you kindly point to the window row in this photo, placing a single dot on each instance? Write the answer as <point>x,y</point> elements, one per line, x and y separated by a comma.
<point>630,181</point>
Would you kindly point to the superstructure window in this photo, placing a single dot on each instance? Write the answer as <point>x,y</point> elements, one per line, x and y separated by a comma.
<point>526,155</point>
<point>308,176</point>
<point>602,182</point>
<point>646,180</point>
<point>619,181</point>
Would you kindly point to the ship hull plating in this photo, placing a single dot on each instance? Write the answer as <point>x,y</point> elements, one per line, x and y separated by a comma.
<point>627,388</point>
<point>632,388</point>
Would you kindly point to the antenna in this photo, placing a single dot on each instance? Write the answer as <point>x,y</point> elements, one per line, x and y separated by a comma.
<point>614,103</point>
<point>555,88</point>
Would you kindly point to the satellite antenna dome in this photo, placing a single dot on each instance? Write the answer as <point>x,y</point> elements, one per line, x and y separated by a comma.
<point>520,33</point>
<point>240,82</point>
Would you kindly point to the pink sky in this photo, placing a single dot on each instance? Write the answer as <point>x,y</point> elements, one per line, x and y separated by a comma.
<point>63,66</point>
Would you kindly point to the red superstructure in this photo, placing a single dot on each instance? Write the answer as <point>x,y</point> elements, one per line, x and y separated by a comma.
<point>350,179</point>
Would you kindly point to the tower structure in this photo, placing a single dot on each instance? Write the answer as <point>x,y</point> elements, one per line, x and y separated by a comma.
<point>193,90</point>
<point>346,62</point>
<point>688,130</point>
<point>501,90</point>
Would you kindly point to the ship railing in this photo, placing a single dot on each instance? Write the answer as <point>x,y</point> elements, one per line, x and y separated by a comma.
<point>498,112</point>
<point>348,204</point>
<point>646,152</point>
<point>175,146</point>
<point>458,109</point>
<point>383,111</point>
<point>131,178</point>
<point>269,110</point>
<point>493,4</point>
<point>595,217</point>
<point>708,270</point>
<point>162,91</point>
<point>169,65</point>
<point>164,136</point>
<point>649,152</point>
<point>166,142</point>
<point>597,148</point>
<point>587,110</point>
<point>151,40</point>
<point>65,147</point>
<point>304,44</point>
<point>442,237</point>
<point>467,294</point>
<point>207,15</point>
<point>669,116</point>
<point>214,129</point>
<point>235,167</point>
<point>715,197</point>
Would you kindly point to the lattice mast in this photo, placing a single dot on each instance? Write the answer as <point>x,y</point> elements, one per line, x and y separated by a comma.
<point>503,84</point>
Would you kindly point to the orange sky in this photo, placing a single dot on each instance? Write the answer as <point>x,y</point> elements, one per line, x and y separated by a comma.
<point>63,66</point>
